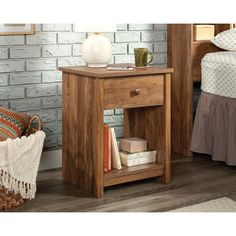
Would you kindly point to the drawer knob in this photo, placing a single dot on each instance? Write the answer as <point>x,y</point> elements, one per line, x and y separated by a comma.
<point>135,92</point>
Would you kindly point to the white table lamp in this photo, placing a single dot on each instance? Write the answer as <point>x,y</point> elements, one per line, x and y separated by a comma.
<point>96,50</point>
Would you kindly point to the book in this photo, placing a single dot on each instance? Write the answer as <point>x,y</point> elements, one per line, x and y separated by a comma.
<point>134,159</point>
<point>106,144</point>
<point>109,149</point>
<point>133,144</point>
<point>115,155</point>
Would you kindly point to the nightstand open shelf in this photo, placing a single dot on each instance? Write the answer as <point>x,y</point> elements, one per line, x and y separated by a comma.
<point>128,174</point>
<point>87,92</point>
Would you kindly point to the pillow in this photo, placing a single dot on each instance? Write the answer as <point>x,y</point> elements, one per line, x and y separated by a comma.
<point>226,40</point>
<point>12,124</point>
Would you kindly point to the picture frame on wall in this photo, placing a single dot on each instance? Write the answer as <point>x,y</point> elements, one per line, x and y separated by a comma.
<point>16,29</point>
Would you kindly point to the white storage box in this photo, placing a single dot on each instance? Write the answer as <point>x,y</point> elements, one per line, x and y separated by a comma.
<point>134,159</point>
<point>133,144</point>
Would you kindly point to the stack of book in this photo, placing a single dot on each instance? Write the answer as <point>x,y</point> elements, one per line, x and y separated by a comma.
<point>134,152</point>
<point>111,156</point>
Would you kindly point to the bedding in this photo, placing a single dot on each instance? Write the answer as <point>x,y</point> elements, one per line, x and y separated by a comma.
<point>214,130</point>
<point>219,74</point>
<point>226,40</point>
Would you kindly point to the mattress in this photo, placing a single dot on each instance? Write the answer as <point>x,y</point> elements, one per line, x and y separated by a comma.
<point>219,73</point>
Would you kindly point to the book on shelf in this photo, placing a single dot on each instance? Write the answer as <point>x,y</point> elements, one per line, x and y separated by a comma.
<point>106,148</point>
<point>136,153</point>
<point>109,150</point>
<point>139,158</point>
<point>115,155</point>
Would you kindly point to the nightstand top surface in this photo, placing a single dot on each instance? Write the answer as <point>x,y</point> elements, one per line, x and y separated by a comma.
<point>104,73</point>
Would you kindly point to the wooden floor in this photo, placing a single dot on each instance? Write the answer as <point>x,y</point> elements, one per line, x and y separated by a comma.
<point>193,181</point>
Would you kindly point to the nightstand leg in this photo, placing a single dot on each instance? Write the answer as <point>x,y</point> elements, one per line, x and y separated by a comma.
<point>167,160</point>
<point>83,133</point>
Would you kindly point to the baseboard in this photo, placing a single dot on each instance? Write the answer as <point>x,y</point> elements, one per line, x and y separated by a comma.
<point>51,160</point>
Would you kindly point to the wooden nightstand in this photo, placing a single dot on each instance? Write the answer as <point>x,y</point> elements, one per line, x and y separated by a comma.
<point>87,92</point>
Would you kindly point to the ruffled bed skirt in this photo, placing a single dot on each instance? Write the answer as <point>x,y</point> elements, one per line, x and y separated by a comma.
<point>214,130</point>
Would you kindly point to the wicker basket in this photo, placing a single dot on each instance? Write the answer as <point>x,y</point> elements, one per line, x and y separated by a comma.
<point>8,199</point>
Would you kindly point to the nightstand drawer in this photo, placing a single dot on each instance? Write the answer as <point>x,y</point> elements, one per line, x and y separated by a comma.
<point>133,91</point>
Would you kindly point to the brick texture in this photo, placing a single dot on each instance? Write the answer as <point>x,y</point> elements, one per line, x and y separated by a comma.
<point>12,40</point>
<point>12,65</point>
<point>3,79</point>
<point>25,78</point>
<point>25,52</point>
<point>56,51</point>
<point>3,53</point>
<point>41,38</point>
<point>127,36</point>
<point>40,64</point>
<point>30,81</point>
<point>26,104</point>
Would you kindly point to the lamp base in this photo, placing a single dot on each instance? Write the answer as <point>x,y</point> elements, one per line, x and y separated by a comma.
<point>97,65</point>
<point>96,50</point>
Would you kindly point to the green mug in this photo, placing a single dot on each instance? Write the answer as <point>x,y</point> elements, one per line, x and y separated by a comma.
<point>141,57</point>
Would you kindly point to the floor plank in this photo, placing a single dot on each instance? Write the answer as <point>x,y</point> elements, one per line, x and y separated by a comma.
<point>194,180</point>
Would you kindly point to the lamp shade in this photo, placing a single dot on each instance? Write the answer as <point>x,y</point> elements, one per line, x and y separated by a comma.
<point>93,28</point>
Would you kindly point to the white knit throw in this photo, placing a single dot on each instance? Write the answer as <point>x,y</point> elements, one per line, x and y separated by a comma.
<point>19,162</point>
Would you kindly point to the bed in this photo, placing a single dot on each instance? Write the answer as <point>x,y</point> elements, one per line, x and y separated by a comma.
<point>214,130</point>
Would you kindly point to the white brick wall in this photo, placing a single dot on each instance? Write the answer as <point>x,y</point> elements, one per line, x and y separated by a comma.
<point>70,61</point>
<point>4,103</point>
<point>76,50</point>
<point>41,38</point>
<point>110,36</point>
<point>41,90</point>
<point>12,92</point>
<point>47,115</point>
<point>160,47</point>
<point>114,120</point>
<point>12,65</point>
<point>152,36</point>
<point>140,26</point>
<point>127,37</point>
<point>71,37</point>
<point>40,64</point>
<point>124,58</point>
<point>25,52</point>
<point>51,76</point>
<point>30,81</point>
<point>119,48</point>
<point>26,104</point>
<point>56,27</point>
<point>3,80</point>
<point>59,89</point>
<point>121,26</point>
<point>12,40</point>
<point>160,27</point>
<point>25,78</point>
<point>56,51</point>
<point>3,53</point>
<point>108,112</point>
<point>59,114</point>
<point>52,102</point>
<point>140,45</point>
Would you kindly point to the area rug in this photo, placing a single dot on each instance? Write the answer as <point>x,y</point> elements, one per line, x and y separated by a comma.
<point>223,204</point>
